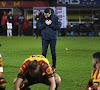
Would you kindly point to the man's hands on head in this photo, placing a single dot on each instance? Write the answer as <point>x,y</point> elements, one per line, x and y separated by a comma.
<point>48,22</point>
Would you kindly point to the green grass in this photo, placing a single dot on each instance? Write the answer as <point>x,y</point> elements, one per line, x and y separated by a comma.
<point>73,65</point>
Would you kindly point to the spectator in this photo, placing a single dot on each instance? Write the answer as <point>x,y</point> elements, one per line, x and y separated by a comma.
<point>25,27</point>
<point>16,24</point>
<point>37,19</point>
<point>49,23</point>
<point>9,23</point>
<point>3,23</point>
<point>20,21</point>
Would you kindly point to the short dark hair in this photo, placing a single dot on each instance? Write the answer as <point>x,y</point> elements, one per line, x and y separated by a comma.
<point>10,10</point>
<point>33,65</point>
<point>52,11</point>
<point>47,10</point>
<point>96,55</point>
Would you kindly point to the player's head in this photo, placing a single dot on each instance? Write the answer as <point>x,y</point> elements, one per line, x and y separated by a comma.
<point>20,12</point>
<point>38,11</point>
<point>33,67</point>
<point>4,12</point>
<point>96,59</point>
<point>47,12</point>
<point>10,12</point>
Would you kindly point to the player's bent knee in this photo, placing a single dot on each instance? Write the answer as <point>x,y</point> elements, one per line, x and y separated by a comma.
<point>15,80</point>
<point>25,81</point>
<point>2,83</point>
<point>57,79</point>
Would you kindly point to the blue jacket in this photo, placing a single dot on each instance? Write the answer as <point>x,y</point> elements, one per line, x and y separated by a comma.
<point>49,32</point>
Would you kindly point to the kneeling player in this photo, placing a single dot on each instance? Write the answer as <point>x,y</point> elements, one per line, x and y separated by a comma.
<point>94,81</point>
<point>36,69</point>
<point>2,80</point>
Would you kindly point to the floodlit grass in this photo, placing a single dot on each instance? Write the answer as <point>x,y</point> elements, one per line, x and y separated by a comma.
<point>73,65</point>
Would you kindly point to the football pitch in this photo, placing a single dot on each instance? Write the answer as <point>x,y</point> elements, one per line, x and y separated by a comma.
<point>74,59</point>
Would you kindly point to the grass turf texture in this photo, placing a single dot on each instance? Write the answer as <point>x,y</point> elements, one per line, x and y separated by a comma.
<point>73,65</point>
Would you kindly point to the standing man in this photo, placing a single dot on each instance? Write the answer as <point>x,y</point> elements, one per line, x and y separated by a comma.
<point>16,24</point>
<point>34,70</point>
<point>49,23</point>
<point>9,23</point>
<point>37,19</point>
<point>3,23</point>
<point>20,21</point>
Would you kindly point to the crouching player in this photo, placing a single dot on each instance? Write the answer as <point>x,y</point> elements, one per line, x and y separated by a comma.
<point>2,80</point>
<point>94,81</point>
<point>36,69</point>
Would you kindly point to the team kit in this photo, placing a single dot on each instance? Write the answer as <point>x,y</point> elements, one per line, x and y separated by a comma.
<point>36,68</point>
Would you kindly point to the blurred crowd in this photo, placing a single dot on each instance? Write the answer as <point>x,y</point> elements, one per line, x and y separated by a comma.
<point>80,29</point>
<point>86,29</point>
<point>19,26</point>
<point>13,25</point>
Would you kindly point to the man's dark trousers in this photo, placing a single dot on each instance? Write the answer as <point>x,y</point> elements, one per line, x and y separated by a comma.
<point>45,44</point>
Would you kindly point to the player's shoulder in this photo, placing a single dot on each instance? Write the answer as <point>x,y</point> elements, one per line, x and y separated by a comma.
<point>36,56</point>
<point>39,58</point>
<point>28,59</point>
<point>93,71</point>
<point>55,16</point>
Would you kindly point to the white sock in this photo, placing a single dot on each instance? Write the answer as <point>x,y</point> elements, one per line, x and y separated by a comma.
<point>7,32</point>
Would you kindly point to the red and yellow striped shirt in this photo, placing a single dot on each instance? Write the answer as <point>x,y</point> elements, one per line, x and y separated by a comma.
<point>43,64</point>
<point>1,64</point>
<point>95,78</point>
